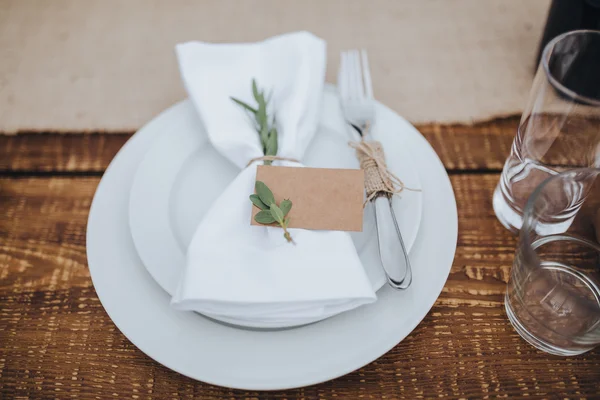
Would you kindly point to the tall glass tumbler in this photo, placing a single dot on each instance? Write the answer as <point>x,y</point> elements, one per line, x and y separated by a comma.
<point>560,127</point>
<point>553,296</point>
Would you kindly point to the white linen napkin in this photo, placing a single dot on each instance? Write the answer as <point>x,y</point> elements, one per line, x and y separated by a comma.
<point>245,272</point>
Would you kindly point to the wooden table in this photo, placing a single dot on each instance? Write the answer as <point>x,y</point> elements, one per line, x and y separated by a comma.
<point>56,340</point>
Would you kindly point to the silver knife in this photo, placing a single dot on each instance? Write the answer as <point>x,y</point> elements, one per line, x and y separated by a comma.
<point>392,251</point>
<point>393,254</point>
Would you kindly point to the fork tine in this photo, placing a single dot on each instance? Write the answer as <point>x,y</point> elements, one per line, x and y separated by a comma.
<point>357,76</point>
<point>341,78</point>
<point>347,75</point>
<point>367,74</point>
<point>350,75</point>
<point>349,68</point>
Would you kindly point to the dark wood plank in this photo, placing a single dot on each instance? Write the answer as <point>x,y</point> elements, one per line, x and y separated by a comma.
<point>460,147</point>
<point>57,341</point>
<point>52,152</point>
<point>483,146</point>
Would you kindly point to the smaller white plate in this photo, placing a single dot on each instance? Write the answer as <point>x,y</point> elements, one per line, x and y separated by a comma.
<point>182,174</point>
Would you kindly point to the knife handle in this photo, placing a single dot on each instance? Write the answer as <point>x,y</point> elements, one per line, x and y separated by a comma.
<point>392,252</point>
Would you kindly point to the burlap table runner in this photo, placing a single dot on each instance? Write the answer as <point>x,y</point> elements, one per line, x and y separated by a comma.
<point>107,65</point>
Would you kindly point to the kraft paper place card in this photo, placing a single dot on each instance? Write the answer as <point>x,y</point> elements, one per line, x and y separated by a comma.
<point>322,198</point>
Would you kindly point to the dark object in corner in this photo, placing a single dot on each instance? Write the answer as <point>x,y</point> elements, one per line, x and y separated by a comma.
<point>569,15</point>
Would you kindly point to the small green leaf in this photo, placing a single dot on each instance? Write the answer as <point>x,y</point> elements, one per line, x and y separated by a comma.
<point>264,217</point>
<point>277,213</point>
<point>264,193</point>
<point>246,106</point>
<point>258,202</point>
<point>271,149</point>
<point>286,223</point>
<point>286,206</point>
<point>261,116</point>
<point>264,135</point>
<point>255,92</point>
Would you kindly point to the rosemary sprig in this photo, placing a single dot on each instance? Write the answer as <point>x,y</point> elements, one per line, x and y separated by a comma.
<point>266,129</point>
<point>270,212</point>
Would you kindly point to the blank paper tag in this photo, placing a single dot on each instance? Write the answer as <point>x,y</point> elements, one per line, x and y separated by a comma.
<point>322,198</point>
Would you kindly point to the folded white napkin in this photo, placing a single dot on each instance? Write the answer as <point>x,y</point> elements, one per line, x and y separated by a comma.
<point>250,273</point>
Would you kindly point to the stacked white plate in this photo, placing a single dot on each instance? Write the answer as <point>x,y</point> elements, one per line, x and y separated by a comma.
<point>157,189</point>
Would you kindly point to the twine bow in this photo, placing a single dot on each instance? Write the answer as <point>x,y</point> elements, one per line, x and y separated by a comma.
<point>379,180</point>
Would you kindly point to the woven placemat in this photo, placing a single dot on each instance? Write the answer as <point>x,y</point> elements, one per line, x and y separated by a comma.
<point>98,65</point>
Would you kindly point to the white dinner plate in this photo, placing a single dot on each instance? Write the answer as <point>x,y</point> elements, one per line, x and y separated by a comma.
<point>212,352</point>
<point>182,174</point>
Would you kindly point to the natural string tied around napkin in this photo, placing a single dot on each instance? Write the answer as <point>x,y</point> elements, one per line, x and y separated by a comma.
<point>379,180</point>
<point>271,158</point>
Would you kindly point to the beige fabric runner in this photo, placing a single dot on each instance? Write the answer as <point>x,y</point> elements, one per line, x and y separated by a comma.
<point>73,65</point>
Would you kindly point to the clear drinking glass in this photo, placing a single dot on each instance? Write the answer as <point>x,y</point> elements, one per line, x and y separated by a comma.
<point>560,127</point>
<point>553,296</point>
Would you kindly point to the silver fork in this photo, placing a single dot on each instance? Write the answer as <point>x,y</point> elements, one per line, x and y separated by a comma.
<point>356,94</point>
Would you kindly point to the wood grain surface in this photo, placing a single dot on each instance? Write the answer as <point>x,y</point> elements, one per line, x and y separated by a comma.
<point>460,147</point>
<point>56,340</point>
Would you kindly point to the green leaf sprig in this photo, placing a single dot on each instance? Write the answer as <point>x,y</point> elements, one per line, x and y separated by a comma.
<point>270,212</point>
<point>266,129</point>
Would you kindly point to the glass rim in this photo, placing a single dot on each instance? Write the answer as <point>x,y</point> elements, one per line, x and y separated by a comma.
<point>526,228</point>
<point>544,63</point>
